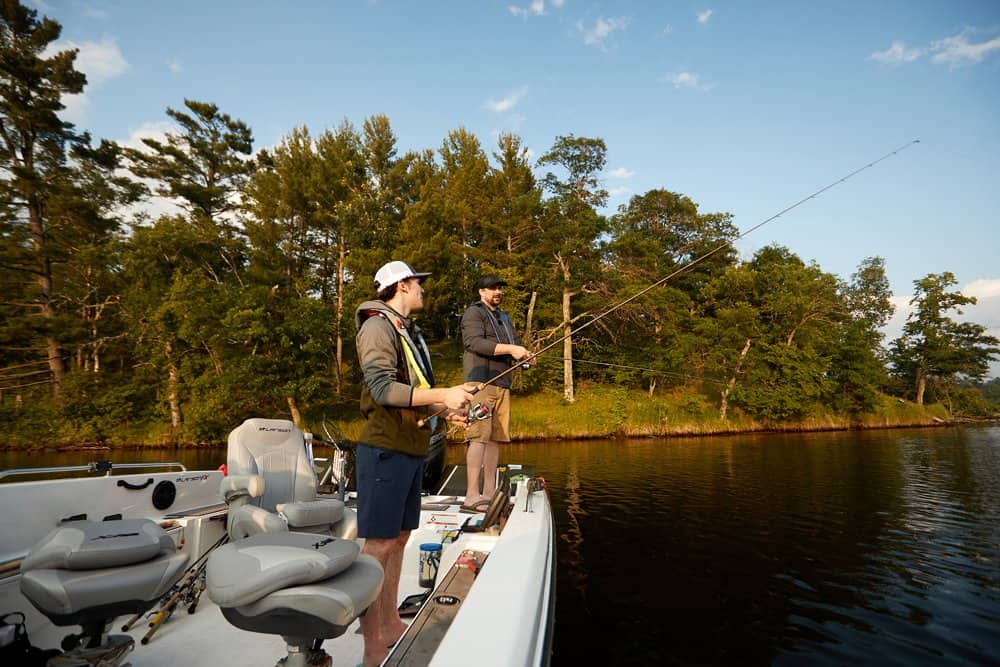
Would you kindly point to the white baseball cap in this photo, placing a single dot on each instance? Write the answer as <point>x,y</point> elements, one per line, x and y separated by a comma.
<point>393,272</point>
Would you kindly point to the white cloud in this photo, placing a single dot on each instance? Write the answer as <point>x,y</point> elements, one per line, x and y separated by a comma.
<point>705,16</point>
<point>621,172</point>
<point>76,107</point>
<point>507,103</point>
<point>100,61</point>
<point>668,30</point>
<point>893,329</point>
<point>986,312</point>
<point>154,206</point>
<point>157,130</point>
<point>92,12</point>
<point>536,8</point>
<point>175,66</point>
<point>688,80</point>
<point>983,289</point>
<point>620,191</point>
<point>895,54</point>
<point>602,28</point>
<point>957,50</point>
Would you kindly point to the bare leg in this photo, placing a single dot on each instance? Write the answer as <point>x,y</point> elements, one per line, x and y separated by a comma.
<point>371,622</point>
<point>473,462</point>
<point>491,457</point>
<point>393,626</point>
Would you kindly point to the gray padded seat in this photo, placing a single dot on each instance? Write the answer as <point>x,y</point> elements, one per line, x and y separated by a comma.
<point>267,458</point>
<point>86,572</point>
<point>299,585</point>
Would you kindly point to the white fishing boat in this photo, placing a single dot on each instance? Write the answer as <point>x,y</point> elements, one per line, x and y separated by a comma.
<point>85,558</point>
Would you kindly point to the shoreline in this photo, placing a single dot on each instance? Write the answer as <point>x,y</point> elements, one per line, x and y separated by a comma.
<point>936,422</point>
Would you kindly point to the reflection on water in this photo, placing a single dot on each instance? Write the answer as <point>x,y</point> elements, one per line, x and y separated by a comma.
<point>863,547</point>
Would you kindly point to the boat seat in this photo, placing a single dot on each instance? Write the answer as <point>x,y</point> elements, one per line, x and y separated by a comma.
<point>302,586</point>
<point>88,573</point>
<point>271,484</point>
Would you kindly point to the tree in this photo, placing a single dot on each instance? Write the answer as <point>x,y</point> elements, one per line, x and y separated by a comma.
<point>339,186</point>
<point>284,328</point>
<point>935,348</point>
<point>59,197</point>
<point>510,234</point>
<point>770,331</point>
<point>193,264</point>
<point>381,197</point>
<point>858,368</point>
<point>571,227</point>
<point>447,225</point>
<point>658,235</point>
<point>203,166</point>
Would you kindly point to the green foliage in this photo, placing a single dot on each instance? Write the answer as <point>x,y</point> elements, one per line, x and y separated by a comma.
<point>934,349</point>
<point>98,407</point>
<point>991,392</point>
<point>59,195</point>
<point>203,165</point>
<point>243,304</point>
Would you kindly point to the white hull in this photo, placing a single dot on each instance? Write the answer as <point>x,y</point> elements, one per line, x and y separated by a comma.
<point>505,619</point>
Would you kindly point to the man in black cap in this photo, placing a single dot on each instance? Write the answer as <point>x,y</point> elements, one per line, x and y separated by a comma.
<point>491,347</point>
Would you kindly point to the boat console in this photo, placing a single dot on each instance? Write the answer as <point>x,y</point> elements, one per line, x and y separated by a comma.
<point>88,573</point>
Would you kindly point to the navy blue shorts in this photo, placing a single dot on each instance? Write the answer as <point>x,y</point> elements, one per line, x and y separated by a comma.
<point>388,492</point>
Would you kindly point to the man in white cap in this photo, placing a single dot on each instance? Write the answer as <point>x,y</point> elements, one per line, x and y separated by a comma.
<point>397,393</point>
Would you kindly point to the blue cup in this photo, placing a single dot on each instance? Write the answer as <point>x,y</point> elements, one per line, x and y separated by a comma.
<point>430,558</point>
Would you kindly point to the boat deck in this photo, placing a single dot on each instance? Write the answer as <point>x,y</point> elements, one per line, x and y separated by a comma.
<point>516,572</point>
<point>206,637</point>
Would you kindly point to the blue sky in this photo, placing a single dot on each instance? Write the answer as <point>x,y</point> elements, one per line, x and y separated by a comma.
<point>743,108</point>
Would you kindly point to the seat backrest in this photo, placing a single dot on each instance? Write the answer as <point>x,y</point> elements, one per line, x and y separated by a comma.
<point>275,450</point>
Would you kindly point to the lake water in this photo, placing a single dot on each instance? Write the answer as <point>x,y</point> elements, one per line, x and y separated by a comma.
<point>876,547</point>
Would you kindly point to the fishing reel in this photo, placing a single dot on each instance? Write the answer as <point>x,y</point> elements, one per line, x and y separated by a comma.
<point>478,412</point>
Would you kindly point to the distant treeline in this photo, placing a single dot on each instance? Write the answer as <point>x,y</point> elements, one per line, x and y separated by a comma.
<point>241,301</point>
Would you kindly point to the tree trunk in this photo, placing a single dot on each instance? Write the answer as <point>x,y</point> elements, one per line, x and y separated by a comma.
<point>44,279</point>
<point>724,402</point>
<point>293,408</point>
<point>341,261</point>
<point>921,386</point>
<point>530,315</point>
<point>43,271</point>
<point>214,357</point>
<point>568,393</point>
<point>173,386</point>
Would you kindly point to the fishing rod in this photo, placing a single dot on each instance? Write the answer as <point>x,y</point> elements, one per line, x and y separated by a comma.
<point>722,246</point>
<point>683,376</point>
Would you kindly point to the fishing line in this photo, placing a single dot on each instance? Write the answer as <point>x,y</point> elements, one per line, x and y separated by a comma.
<point>725,244</point>
<point>682,376</point>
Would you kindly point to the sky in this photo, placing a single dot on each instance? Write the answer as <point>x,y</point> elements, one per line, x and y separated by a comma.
<point>743,107</point>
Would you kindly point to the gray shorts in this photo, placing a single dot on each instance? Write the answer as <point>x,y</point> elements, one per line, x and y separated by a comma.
<point>388,492</point>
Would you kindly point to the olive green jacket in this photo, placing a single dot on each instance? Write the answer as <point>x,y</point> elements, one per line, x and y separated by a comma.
<point>388,379</point>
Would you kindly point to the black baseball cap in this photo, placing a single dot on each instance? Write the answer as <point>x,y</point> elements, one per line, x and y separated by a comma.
<point>491,281</point>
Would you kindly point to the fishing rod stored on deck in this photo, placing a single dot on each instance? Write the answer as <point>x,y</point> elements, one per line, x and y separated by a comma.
<point>185,593</point>
<point>722,246</point>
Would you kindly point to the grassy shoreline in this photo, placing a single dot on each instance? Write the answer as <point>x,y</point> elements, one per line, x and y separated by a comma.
<point>600,412</point>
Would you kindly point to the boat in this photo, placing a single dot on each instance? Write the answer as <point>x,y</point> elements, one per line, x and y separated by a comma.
<point>126,551</point>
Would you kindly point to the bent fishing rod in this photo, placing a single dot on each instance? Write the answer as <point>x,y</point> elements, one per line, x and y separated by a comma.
<point>681,269</point>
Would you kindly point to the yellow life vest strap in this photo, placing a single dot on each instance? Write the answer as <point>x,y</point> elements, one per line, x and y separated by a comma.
<point>421,379</point>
